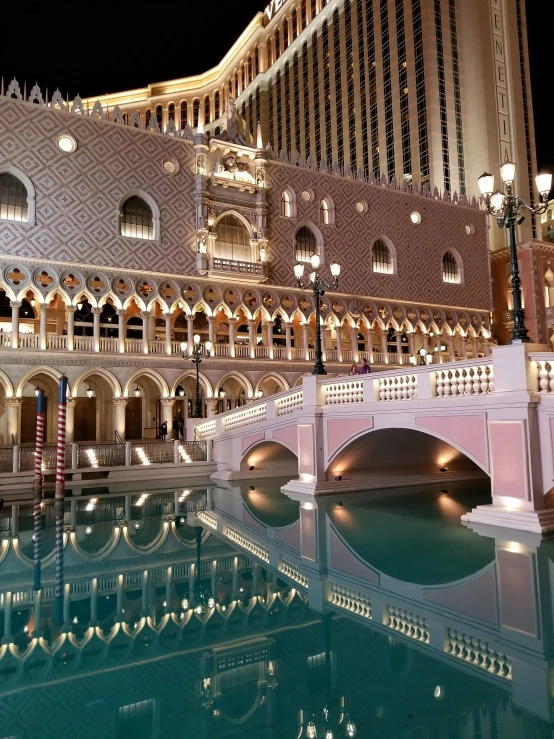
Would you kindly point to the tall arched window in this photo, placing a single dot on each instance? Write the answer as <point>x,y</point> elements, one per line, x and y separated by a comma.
<point>450,269</point>
<point>294,23</point>
<point>327,211</point>
<point>305,244</point>
<point>216,104</point>
<point>184,114</point>
<point>159,115</point>
<point>195,112</point>
<point>147,117</point>
<point>277,44</point>
<point>232,240</point>
<point>288,203</point>
<point>206,109</point>
<point>285,34</point>
<point>171,112</point>
<point>13,198</point>
<point>137,220</point>
<point>381,258</point>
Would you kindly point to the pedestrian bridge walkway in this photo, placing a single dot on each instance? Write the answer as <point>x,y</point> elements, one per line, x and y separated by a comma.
<point>492,416</point>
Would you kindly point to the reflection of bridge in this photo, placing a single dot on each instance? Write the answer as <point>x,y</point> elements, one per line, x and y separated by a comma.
<point>482,622</point>
<point>491,416</point>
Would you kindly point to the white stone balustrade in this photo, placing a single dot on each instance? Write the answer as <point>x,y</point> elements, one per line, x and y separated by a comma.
<point>545,372</point>
<point>398,387</point>
<point>343,391</point>
<point>245,542</point>
<point>246,417</point>
<point>290,403</point>
<point>479,653</point>
<point>475,379</point>
<point>351,601</point>
<point>288,569</point>
<point>409,624</point>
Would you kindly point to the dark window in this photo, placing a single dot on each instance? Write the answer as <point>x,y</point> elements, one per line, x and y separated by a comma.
<point>184,114</point>
<point>195,112</point>
<point>159,115</point>
<point>171,112</point>
<point>450,271</point>
<point>136,219</point>
<point>13,198</point>
<point>305,244</point>
<point>380,257</point>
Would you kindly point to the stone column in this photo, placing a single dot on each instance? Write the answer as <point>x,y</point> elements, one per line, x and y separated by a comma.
<point>211,405</point>
<point>13,410</point>
<point>384,347</point>
<point>119,405</point>
<point>211,334</point>
<point>151,327</point>
<point>439,351</point>
<point>15,305</point>
<point>190,332</point>
<point>96,329</point>
<point>169,589</point>
<point>475,347</point>
<point>464,347</point>
<point>121,312</point>
<point>232,322</point>
<point>119,597</point>
<point>70,420</point>
<point>354,343</point>
<point>70,326</point>
<point>252,338</point>
<point>451,349</point>
<point>305,341</point>
<point>426,344</point>
<point>288,327</point>
<point>67,605</point>
<point>338,333</point>
<point>94,601</point>
<point>370,344</point>
<point>8,636</point>
<point>269,326</point>
<point>235,571</point>
<point>43,325</point>
<point>145,593</point>
<point>398,337</point>
<point>486,348</point>
<point>167,414</point>
<point>145,315</point>
<point>168,348</point>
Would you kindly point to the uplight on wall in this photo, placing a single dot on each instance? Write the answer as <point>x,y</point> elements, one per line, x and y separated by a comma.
<point>67,143</point>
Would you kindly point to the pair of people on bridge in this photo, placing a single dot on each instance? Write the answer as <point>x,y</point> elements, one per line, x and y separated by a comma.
<point>363,370</point>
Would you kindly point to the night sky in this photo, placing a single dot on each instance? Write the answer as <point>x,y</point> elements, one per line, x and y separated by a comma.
<point>98,46</point>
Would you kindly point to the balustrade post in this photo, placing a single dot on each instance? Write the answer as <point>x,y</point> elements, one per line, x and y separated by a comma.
<point>15,306</point>
<point>96,313</point>
<point>70,327</point>
<point>70,420</point>
<point>252,338</point>
<point>127,454</point>
<point>15,458</point>
<point>119,405</point>
<point>288,339</point>
<point>232,322</point>
<point>43,326</point>
<point>74,456</point>
<point>145,315</point>
<point>121,312</point>
<point>338,333</point>
<point>211,334</point>
<point>168,345</point>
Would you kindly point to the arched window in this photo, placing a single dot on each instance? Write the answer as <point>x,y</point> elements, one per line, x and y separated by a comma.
<point>236,84</point>
<point>137,220</point>
<point>450,269</point>
<point>288,204</point>
<point>232,240</point>
<point>14,204</point>
<point>305,244</point>
<point>147,117</point>
<point>216,104</point>
<point>327,211</point>
<point>285,34</point>
<point>195,112</point>
<point>381,258</point>
<point>277,44</point>
<point>159,115</point>
<point>206,109</point>
<point>184,114</point>
<point>250,77</point>
<point>294,22</point>
<point>171,112</point>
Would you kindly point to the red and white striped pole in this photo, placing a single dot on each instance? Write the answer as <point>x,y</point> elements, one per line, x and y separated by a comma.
<point>59,499</point>
<point>37,497</point>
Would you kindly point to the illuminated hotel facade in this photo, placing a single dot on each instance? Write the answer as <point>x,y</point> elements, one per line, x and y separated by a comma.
<point>133,222</point>
<point>429,91</point>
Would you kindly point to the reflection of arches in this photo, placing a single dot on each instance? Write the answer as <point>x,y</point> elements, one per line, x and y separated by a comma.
<point>271,383</point>
<point>274,455</point>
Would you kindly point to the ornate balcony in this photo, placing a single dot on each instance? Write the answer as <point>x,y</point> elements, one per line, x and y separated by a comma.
<point>230,268</point>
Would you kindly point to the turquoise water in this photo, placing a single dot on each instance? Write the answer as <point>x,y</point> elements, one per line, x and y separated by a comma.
<point>206,612</point>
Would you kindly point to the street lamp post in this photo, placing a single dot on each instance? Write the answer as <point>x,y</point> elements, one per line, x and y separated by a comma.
<point>506,207</point>
<point>197,354</point>
<point>318,286</point>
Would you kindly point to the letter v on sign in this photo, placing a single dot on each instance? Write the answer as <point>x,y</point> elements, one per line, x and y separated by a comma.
<point>270,10</point>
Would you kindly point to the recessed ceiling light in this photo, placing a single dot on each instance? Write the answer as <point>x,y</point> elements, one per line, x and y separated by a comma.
<point>67,143</point>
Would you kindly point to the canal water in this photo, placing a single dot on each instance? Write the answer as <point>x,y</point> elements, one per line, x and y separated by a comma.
<point>221,612</point>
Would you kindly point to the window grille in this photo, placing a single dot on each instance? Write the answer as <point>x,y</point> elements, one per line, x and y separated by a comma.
<point>159,115</point>
<point>216,104</point>
<point>305,244</point>
<point>195,112</point>
<point>286,204</point>
<point>13,198</point>
<point>171,112</point>
<point>381,258</point>
<point>136,219</point>
<point>232,240</point>
<point>450,272</point>
<point>184,114</point>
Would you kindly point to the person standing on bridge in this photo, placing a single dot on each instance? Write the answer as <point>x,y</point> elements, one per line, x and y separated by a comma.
<point>364,369</point>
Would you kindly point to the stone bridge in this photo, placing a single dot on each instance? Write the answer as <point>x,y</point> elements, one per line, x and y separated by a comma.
<point>492,416</point>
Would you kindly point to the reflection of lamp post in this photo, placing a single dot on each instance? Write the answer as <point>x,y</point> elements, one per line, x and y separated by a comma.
<point>197,353</point>
<point>507,207</point>
<point>318,286</point>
